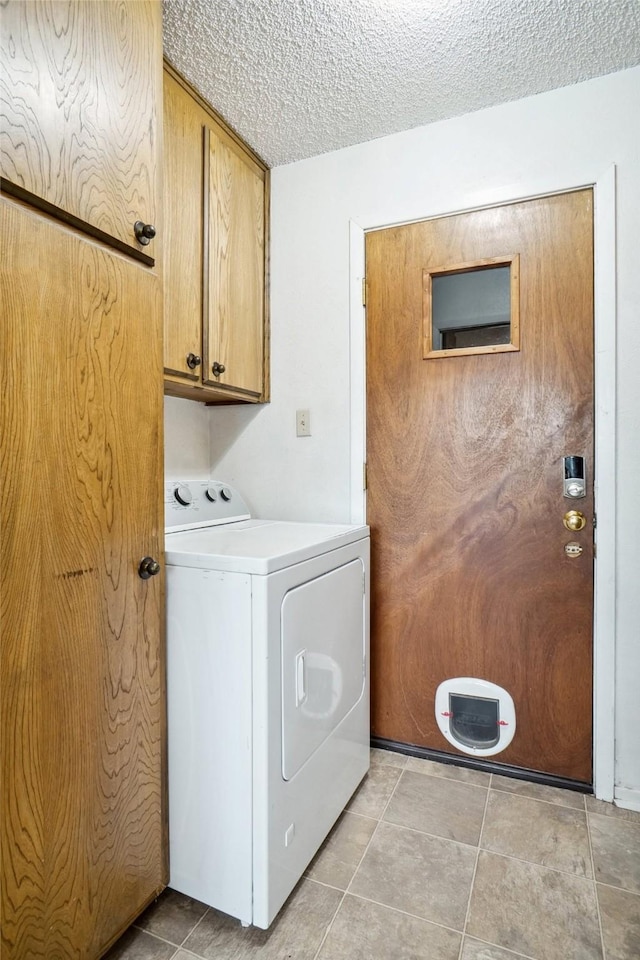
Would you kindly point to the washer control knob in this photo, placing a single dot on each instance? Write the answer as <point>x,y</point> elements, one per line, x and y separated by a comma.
<point>183,495</point>
<point>211,494</point>
<point>226,494</point>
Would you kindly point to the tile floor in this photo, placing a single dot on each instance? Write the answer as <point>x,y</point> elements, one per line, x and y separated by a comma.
<point>434,862</point>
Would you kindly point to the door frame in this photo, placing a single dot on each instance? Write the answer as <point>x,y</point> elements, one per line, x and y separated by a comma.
<point>604,624</point>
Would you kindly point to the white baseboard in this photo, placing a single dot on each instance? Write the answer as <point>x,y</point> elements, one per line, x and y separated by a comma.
<point>627,798</point>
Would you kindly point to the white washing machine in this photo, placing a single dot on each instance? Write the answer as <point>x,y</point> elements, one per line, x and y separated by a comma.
<point>268,694</point>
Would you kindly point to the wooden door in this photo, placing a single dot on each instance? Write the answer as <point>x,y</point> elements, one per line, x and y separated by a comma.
<point>234,271</point>
<point>183,237</point>
<point>82,683</point>
<point>78,126</point>
<point>465,495</point>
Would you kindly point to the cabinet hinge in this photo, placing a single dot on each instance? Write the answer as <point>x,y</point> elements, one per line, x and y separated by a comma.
<point>364,291</point>
<point>364,476</point>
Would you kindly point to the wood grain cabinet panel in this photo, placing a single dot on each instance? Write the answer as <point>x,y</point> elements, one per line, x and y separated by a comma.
<point>82,686</point>
<point>235,278</point>
<point>82,683</point>
<point>182,162</point>
<point>216,202</point>
<point>78,124</point>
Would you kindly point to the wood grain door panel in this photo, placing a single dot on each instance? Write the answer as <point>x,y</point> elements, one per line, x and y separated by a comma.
<point>183,162</point>
<point>234,272</point>
<point>83,844</point>
<point>78,123</point>
<point>464,455</point>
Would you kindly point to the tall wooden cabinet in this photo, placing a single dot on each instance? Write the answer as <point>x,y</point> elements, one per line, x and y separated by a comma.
<point>216,196</point>
<point>81,656</point>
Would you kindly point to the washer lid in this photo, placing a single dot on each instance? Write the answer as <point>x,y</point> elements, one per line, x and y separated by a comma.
<point>257,546</point>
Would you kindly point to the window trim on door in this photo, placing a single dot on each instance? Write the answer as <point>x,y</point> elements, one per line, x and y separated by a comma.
<point>604,625</point>
<point>432,352</point>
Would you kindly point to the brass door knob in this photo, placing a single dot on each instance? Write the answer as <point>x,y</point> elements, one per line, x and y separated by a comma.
<point>574,520</point>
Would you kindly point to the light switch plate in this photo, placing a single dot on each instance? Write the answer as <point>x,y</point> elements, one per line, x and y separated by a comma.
<point>303,423</point>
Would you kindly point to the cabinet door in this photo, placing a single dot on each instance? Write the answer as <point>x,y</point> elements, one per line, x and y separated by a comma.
<point>234,271</point>
<point>82,682</point>
<point>78,119</point>
<point>183,226</point>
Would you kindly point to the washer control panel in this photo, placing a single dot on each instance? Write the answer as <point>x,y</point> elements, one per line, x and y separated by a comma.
<point>189,504</point>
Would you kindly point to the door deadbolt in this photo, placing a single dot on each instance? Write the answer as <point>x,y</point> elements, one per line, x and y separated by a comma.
<point>574,520</point>
<point>573,549</point>
<point>574,484</point>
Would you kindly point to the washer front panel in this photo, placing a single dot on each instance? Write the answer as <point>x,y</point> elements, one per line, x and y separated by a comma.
<point>323,660</point>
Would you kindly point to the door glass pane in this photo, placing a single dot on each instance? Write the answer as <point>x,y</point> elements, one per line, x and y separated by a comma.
<point>472,308</point>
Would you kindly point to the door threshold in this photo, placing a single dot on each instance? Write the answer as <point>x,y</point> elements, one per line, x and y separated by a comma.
<point>487,766</point>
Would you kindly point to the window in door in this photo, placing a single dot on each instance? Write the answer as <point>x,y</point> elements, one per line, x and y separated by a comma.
<point>472,308</point>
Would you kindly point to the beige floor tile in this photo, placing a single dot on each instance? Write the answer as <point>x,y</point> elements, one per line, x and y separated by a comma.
<point>368,931</point>
<point>372,795</point>
<point>539,791</point>
<point>342,851</point>
<point>616,851</point>
<point>620,914</point>
<point>139,945</point>
<point>533,910</point>
<point>448,770</point>
<point>388,758</point>
<point>296,932</point>
<point>445,808</point>
<point>544,833</point>
<point>172,917</point>
<point>475,950</point>
<point>426,876</point>
<point>611,810</point>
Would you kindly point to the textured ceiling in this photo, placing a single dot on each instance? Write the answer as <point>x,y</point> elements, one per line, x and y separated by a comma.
<point>301,77</point>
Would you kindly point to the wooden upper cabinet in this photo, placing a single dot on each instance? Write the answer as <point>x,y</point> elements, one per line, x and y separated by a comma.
<point>216,201</point>
<point>183,231</point>
<point>79,127</point>
<point>234,297</point>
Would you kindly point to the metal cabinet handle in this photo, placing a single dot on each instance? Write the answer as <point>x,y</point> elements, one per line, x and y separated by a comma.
<point>218,368</point>
<point>148,568</point>
<point>145,232</point>
<point>193,360</point>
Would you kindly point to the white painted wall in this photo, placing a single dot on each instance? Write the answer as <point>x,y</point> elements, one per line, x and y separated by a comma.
<point>486,157</point>
<point>187,449</point>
